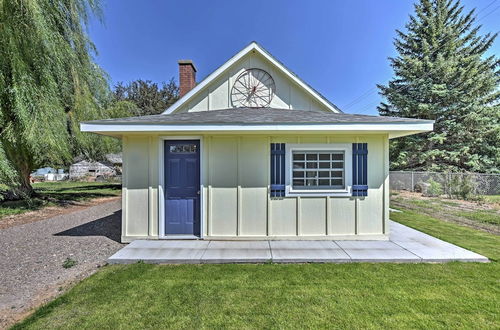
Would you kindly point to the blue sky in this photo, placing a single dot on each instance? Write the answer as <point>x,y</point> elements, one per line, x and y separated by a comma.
<point>339,47</point>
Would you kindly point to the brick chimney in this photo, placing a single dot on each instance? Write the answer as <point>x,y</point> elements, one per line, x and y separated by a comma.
<point>187,76</point>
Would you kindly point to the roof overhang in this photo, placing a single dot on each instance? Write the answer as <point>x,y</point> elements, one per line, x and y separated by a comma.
<point>392,129</point>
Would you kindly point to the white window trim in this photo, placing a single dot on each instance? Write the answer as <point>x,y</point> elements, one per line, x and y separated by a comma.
<point>345,147</point>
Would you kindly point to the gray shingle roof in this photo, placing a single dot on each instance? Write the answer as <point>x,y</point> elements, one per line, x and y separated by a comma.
<point>255,116</point>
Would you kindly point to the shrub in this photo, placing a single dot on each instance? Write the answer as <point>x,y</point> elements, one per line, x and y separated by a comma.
<point>435,189</point>
<point>460,186</point>
<point>466,187</point>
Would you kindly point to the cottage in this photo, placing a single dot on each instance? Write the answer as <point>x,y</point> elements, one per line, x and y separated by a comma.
<point>253,152</point>
<point>85,169</point>
<point>110,167</point>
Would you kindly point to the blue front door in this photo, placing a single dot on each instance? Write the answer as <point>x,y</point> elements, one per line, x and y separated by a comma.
<point>182,187</point>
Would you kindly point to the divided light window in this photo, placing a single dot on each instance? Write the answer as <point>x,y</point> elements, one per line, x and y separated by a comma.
<point>318,170</point>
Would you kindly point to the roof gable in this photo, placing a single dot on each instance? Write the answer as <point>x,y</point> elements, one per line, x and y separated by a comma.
<point>213,93</point>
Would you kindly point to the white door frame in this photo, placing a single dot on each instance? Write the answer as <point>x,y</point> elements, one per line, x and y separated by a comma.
<point>161,190</point>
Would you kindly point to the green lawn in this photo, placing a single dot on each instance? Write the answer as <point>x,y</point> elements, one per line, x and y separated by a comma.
<point>484,213</point>
<point>60,193</point>
<point>484,216</point>
<point>452,295</point>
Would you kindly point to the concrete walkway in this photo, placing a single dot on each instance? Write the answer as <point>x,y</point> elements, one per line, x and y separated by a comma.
<point>405,245</point>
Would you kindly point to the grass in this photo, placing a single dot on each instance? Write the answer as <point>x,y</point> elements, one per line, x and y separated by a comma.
<point>362,295</point>
<point>492,199</point>
<point>433,204</point>
<point>59,193</point>
<point>279,296</point>
<point>485,211</point>
<point>484,216</point>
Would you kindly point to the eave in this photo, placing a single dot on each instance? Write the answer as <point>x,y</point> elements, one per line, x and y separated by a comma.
<point>393,130</point>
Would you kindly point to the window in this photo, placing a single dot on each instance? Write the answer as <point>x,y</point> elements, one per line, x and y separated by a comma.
<point>184,148</point>
<point>318,170</point>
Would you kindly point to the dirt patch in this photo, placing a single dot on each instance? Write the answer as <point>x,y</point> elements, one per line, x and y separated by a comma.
<point>450,210</point>
<point>50,212</point>
<point>457,203</point>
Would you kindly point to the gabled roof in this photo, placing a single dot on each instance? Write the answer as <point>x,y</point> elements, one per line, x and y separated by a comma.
<point>257,116</point>
<point>253,46</point>
<point>238,120</point>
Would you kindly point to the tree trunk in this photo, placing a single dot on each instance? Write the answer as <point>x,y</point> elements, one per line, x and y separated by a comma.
<point>25,189</point>
<point>22,162</point>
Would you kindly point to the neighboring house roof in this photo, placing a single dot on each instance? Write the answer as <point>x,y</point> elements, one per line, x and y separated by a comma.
<point>44,170</point>
<point>255,116</point>
<point>252,47</point>
<point>85,163</point>
<point>114,158</point>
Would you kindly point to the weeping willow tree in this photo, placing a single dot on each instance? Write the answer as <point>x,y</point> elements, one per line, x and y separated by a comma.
<point>48,84</point>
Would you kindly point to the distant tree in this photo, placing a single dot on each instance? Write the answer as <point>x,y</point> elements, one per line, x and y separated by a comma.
<point>121,109</point>
<point>48,84</point>
<point>149,98</point>
<point>442,73</point>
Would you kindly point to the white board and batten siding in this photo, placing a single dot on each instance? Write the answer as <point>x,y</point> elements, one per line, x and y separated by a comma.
<point>235,197</point>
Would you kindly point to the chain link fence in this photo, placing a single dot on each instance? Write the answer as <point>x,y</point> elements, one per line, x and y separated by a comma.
<point>484,184</point>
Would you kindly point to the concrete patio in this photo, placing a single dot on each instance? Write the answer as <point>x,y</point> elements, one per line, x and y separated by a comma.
<point>405,245</point>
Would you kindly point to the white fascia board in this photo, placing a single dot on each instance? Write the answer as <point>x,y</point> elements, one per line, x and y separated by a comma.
<point>252,46</point>
<point>341,127</point>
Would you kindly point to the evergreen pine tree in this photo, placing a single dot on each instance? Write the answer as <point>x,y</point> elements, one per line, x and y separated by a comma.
<point>442,73</point>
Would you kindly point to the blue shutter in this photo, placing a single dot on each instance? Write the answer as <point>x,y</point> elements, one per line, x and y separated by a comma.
<point>360,169</point>
<point>277,169</point>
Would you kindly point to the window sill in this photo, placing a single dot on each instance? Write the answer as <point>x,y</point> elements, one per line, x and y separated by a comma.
<point>318,193</point>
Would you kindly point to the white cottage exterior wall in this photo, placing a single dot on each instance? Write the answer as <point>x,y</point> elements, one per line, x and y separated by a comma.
<point>235,182</point>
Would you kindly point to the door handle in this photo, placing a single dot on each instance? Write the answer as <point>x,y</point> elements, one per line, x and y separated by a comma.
<point>198,192</point>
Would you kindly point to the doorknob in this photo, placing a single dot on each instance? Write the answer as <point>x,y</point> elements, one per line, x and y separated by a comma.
<point>198,192</point>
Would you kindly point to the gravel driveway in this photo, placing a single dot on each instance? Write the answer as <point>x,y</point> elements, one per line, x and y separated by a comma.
<point>32,255</point>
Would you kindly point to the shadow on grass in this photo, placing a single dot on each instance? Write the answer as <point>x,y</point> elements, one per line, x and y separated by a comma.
<point>67,198</point>
<point>9,208</point>
<point>79,192</point>
<point>109,226</point>
<point>60,195</point>
<point>77,187</point>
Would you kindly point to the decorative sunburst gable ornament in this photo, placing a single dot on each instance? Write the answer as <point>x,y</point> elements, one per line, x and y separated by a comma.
<point>254,88</point>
